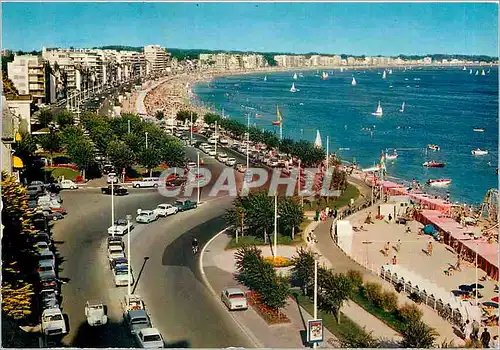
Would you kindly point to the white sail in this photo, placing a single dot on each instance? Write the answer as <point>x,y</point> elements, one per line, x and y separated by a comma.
<point>265,78</point>
<point>293,89</point>
<point>470,71</point>
<point>465,68</point>
<point>353,83</point>
<point>384,75</point>
<point>402,108</point>
<point>295,76</point>
<point>317,142</point>
<point>379,111</point>
<point>483,73</point>
<point>390,71</point>
<point>477,72</point>
<point>324,76</point>
<point>341,69</point>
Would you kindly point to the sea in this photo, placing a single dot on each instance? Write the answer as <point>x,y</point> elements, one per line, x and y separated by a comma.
<point>442,106</point>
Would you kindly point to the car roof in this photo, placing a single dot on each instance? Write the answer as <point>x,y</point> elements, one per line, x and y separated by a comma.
<point>146,212</point>
<point>165,205</point>
<point>137,313</point>
<point>45,263</point>
<point>234,290</point>
<point>150,331</point>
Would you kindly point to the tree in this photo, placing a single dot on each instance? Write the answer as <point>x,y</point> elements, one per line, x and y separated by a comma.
<point>51,143</point>
<point>159,115</point>
<point>303,268</point>
<point>363,340</point>
<point>184,115</point>
<point>45,117</point>
<point>172,152</point>
<point>16,299</point>
<point>71,133</point>
<point>211,118</point>
<point>416,334</point>
<point>65,118</point>
<point>120,154</point>
<point>291,214</point>
<point>26,147</point>
<point>336,289</point>
<point>81,153</point>
<point>248,264</point>
<point>150,158</point>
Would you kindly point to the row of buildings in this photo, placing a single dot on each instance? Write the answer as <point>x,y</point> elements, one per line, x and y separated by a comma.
<point>225,61</point>
<point>294,61</point>
<point>51,75</point>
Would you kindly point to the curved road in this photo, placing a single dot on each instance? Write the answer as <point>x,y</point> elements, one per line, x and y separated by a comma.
<point>180,306</point>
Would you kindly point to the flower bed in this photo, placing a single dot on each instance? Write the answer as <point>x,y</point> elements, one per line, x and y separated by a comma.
<point>271,316</point>
<point>279,261</point>
<point>68,166</point>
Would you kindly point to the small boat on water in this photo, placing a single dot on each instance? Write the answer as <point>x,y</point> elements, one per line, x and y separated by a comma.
<point>293,88</point>
<point>402,108</point>
<point>478,129</point>
<point>433,147</point>
<point>379,111</point>
<point>324,76</point>
<point>353,82</point>
<point>479,152</point>
<point>470,71</point>
<point>265,78</point>
<point>483,72</point>
<point>390,71</point>
<point>438,182</point>
<point>477,72</point>
<point>384,75</point>
<point>295,76</point>
<point>433,164</point>
<point>391,156</point>
<point>465,68</point>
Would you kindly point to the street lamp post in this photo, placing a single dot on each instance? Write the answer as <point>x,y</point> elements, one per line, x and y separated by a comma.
<point>191,130</point>
<point>299,191</point>
<point>129,218</point>
<point>146,139</point>
<point>113,204</point>
<point>128,126</point>
<point>275,225</point>
<point>216,139</point>
<point>315,316</point>
<point>198,177</point>
<point>248,141</point>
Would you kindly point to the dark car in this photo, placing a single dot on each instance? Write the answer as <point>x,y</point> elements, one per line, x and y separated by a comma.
<point>118,190</point>
<point>118,261</point>
<point>185,204</point>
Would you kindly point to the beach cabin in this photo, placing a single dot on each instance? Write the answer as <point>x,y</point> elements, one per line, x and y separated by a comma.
<point>402,204</point>
<point>344,236</point>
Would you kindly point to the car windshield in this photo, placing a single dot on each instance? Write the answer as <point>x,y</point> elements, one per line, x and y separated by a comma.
<point>45,268</point>
<point>121,272</point>
<point>236,296</point>
<point>152,337</point>
<point>115,250</point>
<point>139,320</point>
<point>179,202</point>
<point>53,318</point>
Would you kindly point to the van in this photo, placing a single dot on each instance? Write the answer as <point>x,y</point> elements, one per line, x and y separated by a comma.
<point>147,182</point>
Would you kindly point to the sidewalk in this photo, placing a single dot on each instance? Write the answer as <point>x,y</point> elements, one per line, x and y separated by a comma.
<point>218,267</point>
<point>335,258</point>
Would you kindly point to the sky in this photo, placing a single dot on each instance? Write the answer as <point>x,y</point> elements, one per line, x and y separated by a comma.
<point>349,28</point>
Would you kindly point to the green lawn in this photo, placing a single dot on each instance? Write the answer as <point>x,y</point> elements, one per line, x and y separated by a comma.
<point>351,192</point>
<point>389,319</point>
<point>69,174</point>
<point>346,329</point>
<point>305,224</point>
<point>252,240</point>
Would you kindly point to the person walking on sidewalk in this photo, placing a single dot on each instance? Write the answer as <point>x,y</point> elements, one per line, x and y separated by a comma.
<point>485,338</point>
<point>429,248</point>
<point>475,331</point>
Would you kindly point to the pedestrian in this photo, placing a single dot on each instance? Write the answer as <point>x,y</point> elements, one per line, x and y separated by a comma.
<point>475,330</point>
<point>394,260</point>
<point>397,247</point>
<point>335,212</point>
<point>429,248</point>
<point>467,330</point>
<point>387,246</point>
<point>390,217</point>
<point>495,344</point>
<point>327,211</point>
<point>485,338</point>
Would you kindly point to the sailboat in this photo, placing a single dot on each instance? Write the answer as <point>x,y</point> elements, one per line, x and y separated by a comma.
<point>324,76</point>
<point>279,119</point>
<point>265,78</point>
<point>470,72</point>
<point>295,76</point>
<point>317,142</point>
<point>293,89</point>
<point>477,72</point>
<point>353,83</point>
<point>483,73</point>
<point>488,71</point>
<point>402,108</point>
<point>390,71</point>
<point>341,69</point>
<point>384,75</point>
<point>465,68</point>
<point>378,112</point>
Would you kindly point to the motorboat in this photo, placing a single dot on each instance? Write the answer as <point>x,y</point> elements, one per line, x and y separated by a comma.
<point>478,129</point>
<point>479,152</point>
<point>438,182</point>
<point>433,164</point>
<point>293,88</point>
<point>433,147</point>
<point>353,82</point>
<point>391,156</point>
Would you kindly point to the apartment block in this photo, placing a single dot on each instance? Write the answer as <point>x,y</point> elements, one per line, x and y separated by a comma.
<point>157,59</point>
<point>27,73</point>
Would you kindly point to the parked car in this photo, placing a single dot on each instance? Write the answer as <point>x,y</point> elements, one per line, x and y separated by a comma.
<point>68,185</point>
<point>48,299</point>
<point>191,165</point>
<point>53,322</point>
<point>42,246</point>
<point>115,252</point>
<point>137,320</point>
<point>118,190</point>
<point>231,161</point>
<point>115,241</point>
<point>52,215</point>
<point>117,230</point>
<point>211,152</point>
<point>234,299</point>
<point>95,313</point>
<point>34,191</point>
<point>185,204</point>
<point>43,237</point>
<point>165,210</point>
<point>112,178</point>
<point>146,216</point>
<point>122,278</point>
<point>224,141</point>
<point>118,262</point>
<point>46,270</point>
<point>123,222</point>
<point>222,157</point>
<point>150,338</point>
<point>146,182</point>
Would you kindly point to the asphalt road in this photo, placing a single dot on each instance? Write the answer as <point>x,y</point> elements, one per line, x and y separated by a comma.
<point>180,306</point>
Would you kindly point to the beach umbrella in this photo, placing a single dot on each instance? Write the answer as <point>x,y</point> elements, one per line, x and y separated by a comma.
<point>490,304</point>
<point>494,299</point>
<point>429,230</point>
<point>476,285</point>
<point>465,288</point>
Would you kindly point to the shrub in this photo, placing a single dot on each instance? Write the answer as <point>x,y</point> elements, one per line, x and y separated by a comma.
<point>410,312</point>
<point>389,301</point>
<point>356,278</point>
<point>373,292</point>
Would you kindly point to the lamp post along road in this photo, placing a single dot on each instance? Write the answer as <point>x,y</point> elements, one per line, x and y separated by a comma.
<point>191,131</point>
<point>275,250</point>
<point>129,272</point>
<point>113,204</point>
<point>128,126</point>
<point>315,316</point>
<point>146,139</point>
<point>198,177</point>
<point>248,141</point>
<point>216,139</point>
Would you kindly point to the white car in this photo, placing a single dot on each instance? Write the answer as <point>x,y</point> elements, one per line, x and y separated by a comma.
<point>53,322</point>
<point>147,182</point>
<point>230,161</point>
<point>211,152</point>
<point>165,210</point>
<point>112,178</point>
<point>222,157</point>
<point>146,216</point>
<point>150,338</point>
<point>122,278</point>
<point>234,299</point>
<point>47,255</point>
<point>224,141</point>
<point>68,185</point>
<point>115,252</point>
<point>191,165</point>
<point>95,313</point>
<point>42,246</point>
<point>118,230</point>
